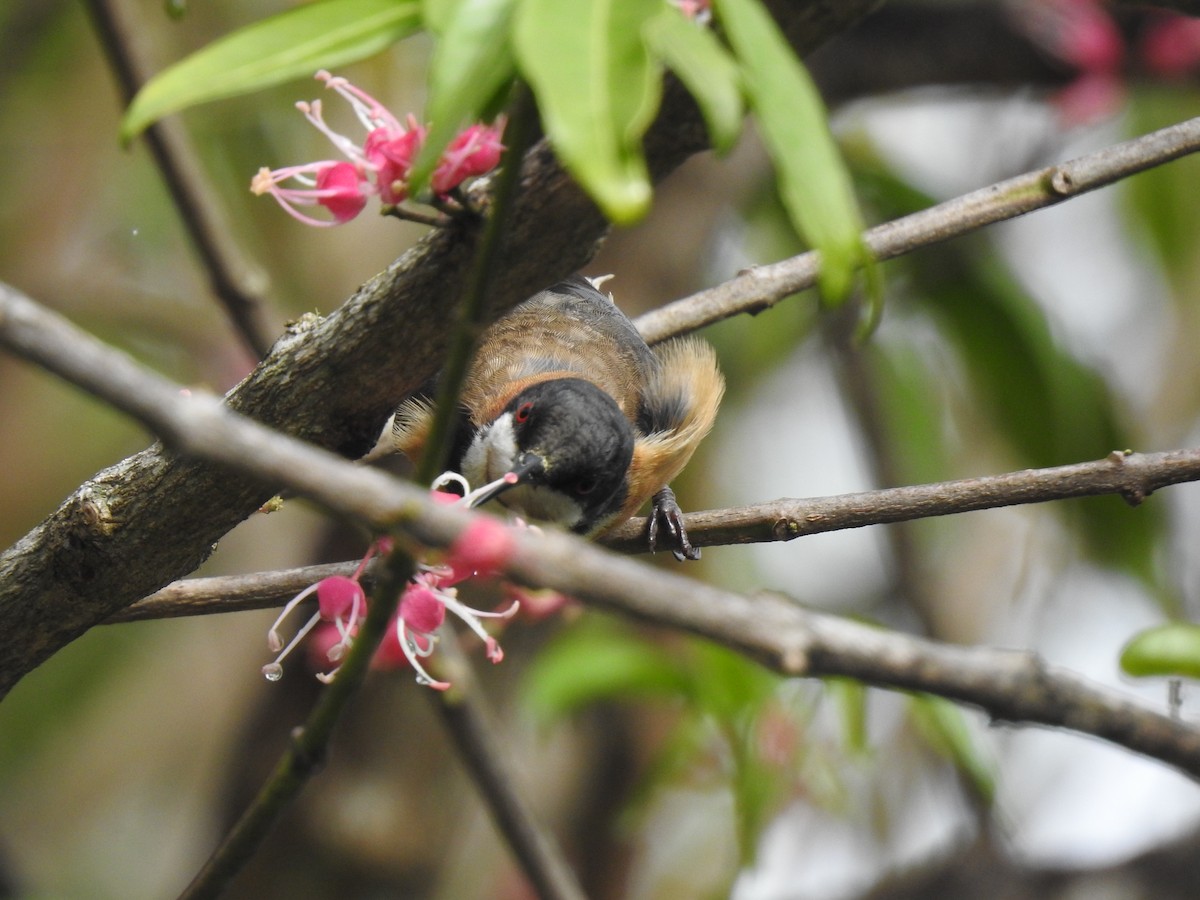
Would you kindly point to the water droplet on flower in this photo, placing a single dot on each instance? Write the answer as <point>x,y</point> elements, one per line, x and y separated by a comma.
<point>272,671</point>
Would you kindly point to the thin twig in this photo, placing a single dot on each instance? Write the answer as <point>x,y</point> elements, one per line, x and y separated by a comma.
<point>237,283</point>
<point>761,287</point>
<point>472,309</point>
<point>1129,475</point>
<point>534,848</point>
<point>235,593</point>
<point>469,724</point>
<point>300,760</point>
<point>465,711</point>
<point>1133,476</point>
<point>1010,686</point>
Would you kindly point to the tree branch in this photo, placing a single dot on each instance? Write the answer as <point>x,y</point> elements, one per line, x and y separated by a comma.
<point>238,284</point>
<point>761,287</point>
<point>466,718</point>
<point>1009,686</point>
<point>1134,476</point>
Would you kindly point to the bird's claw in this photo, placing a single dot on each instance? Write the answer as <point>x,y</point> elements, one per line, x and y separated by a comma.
<point>665,514</point>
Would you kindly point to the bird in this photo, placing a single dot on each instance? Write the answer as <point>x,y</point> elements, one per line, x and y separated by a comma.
<point>571,419</point>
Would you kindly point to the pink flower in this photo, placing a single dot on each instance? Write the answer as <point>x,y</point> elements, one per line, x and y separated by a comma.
<point>380,164</point>
<point>421,612</point>
<point>391,655</point>
<point>1081,33</point>
<point>1090,98</point>
<point>392,157</point>
<point>420,608</point>
<point>1170,46</point>
<point>539,604</point>
<point>482,548</point>
<point>340,601</point>
<point>474,152</point>
<point>1084,35</point>
<point>340,187</point>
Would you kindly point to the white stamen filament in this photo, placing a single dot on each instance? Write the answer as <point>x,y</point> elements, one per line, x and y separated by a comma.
<point>274,641</point>
<point>300,635</point>
<point>312,112</point>
<point>451,478</point>
<point>414,654</point>
<point>472,616</point>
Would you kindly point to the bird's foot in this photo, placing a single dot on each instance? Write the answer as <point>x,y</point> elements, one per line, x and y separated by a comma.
<point>666,518</point>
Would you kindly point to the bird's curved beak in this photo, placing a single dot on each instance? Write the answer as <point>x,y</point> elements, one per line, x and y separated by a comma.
<point>527,466</point>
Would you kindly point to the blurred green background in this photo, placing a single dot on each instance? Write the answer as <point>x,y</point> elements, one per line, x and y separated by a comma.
<point>667,768</point>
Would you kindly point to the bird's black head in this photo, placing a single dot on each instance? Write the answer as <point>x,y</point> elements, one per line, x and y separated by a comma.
<point>568,444</point>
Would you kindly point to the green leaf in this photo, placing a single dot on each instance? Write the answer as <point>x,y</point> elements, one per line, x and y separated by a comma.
<point>813,180</point>
<point>472,62</point>
<point>293,44</point>
<point>916,430</point>
<point>436,14</point>
<point>708,72</point>
<point>850,697</point>
<point>726,685</point>
<point>598,89</point>
<point>1165,650</point>
<point>1163,199</point>
<point>598,660</point>
<point>945,729</point>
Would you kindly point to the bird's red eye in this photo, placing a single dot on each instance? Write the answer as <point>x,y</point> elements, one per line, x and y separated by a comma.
<point>523,412</point>
<point>585,485</point>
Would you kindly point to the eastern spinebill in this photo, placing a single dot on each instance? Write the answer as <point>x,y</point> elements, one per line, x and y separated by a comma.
<point>565,398</point>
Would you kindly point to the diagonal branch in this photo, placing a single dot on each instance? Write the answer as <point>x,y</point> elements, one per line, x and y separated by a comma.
<point>761,287</point>
<point>1010,686</point>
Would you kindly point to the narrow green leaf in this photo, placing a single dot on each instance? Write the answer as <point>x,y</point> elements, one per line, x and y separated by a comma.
<point>290,45</point>
<point>946,730</point>
<point>705,68</point>
<point>597,88</point>
<point>436,14</point>
<point>1163,199</point>
<point>813,180</point>
<point>471,63</point>
<point>1165,650</point>
<point>850,697</point>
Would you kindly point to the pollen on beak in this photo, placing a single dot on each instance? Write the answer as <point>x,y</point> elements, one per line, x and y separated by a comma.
<point>527,464</point>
